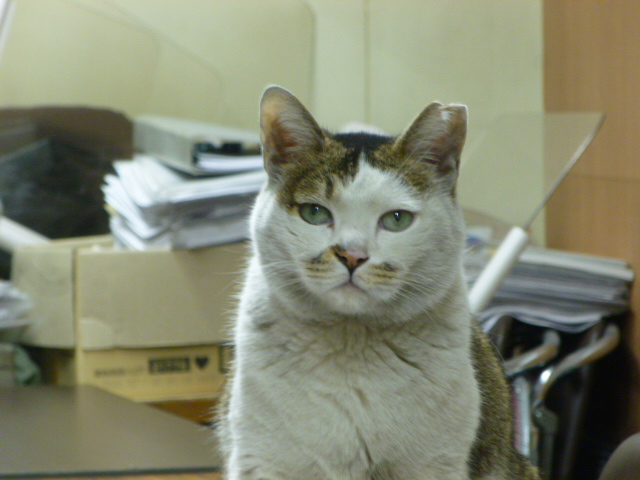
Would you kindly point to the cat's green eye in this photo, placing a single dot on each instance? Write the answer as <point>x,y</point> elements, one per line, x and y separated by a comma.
<point>314,214</point>
<point>396,221</point>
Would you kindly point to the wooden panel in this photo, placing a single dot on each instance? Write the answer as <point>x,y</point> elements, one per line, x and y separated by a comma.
<point>600,216</point>
<point>591,63</point>
<point>596,215</point>
<point>74,431</point>
<point>592,52</point>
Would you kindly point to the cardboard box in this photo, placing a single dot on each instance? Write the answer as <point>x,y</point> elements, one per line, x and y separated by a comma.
<point>144,325</point>
<point>89,295</point>
<point>141,374</point>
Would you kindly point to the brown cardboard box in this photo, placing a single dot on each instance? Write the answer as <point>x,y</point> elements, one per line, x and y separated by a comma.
<point>141,374</point>
<point>88,294</point>
<point>145,325</point>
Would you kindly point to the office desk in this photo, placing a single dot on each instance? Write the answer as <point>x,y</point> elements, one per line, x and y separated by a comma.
<point>53,432</point>
<point>160,476</point>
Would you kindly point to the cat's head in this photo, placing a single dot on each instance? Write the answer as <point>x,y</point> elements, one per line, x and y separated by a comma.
<point>359,223</point>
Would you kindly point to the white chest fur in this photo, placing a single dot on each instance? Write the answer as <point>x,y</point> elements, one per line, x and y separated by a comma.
<point>340,401</point>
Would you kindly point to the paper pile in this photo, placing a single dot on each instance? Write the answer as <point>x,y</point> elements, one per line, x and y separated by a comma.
<point>565,291</point>
<point>155,205</point>
<point>13,306</point>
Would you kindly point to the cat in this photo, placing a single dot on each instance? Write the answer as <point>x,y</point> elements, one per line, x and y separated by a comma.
<point>356,355</point>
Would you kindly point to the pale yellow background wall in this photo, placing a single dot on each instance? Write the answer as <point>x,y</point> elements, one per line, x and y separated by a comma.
<point>380,61</point>
<point>374,61</point>
<point>199,59</point>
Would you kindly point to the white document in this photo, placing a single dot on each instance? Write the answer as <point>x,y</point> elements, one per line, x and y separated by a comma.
<point>566,291</point>
<point>151,184</point>
<point>223,164</point>
<point>188,236</point>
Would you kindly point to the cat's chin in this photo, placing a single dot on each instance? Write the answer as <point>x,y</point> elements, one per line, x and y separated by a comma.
<point>349,299</point>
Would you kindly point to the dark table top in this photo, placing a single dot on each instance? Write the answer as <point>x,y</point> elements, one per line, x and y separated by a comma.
<point>61,431</point>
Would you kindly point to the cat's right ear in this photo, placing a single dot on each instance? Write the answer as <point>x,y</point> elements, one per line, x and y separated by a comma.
<point>436,137</point>
<point>289,132</point>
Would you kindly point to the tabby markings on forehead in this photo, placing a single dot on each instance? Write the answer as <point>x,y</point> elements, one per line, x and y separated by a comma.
<point>410,169</point>
<point>315,175</point>
<point>388,154</point>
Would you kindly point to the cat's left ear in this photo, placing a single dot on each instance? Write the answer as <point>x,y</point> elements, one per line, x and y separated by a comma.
<point>289,132</point>
<point>436,137</point>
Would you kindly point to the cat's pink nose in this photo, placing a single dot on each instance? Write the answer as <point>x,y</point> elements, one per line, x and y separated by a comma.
<point>351,258</point>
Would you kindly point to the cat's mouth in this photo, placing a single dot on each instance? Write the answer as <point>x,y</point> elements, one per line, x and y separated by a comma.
<point>350,286</point>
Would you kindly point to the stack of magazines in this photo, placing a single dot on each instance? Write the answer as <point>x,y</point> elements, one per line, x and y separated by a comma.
<point>565,291</point>
<point>190,185</point>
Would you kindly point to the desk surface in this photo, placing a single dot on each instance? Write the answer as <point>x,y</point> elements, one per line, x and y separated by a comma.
<point>158,476</point>
<point>49,432</point>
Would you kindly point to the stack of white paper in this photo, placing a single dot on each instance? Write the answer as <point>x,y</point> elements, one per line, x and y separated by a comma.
<point>153,205</point>
<point>565,291</point>
<point>13,306</point>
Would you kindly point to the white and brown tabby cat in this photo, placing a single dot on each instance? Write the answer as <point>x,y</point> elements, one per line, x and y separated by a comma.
<point>356,355</point>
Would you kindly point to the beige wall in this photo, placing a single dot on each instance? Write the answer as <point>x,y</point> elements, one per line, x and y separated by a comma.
<point>373,61</point>
<point>377,61</point>
<point>209,61</point>
<point>381,61</point>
